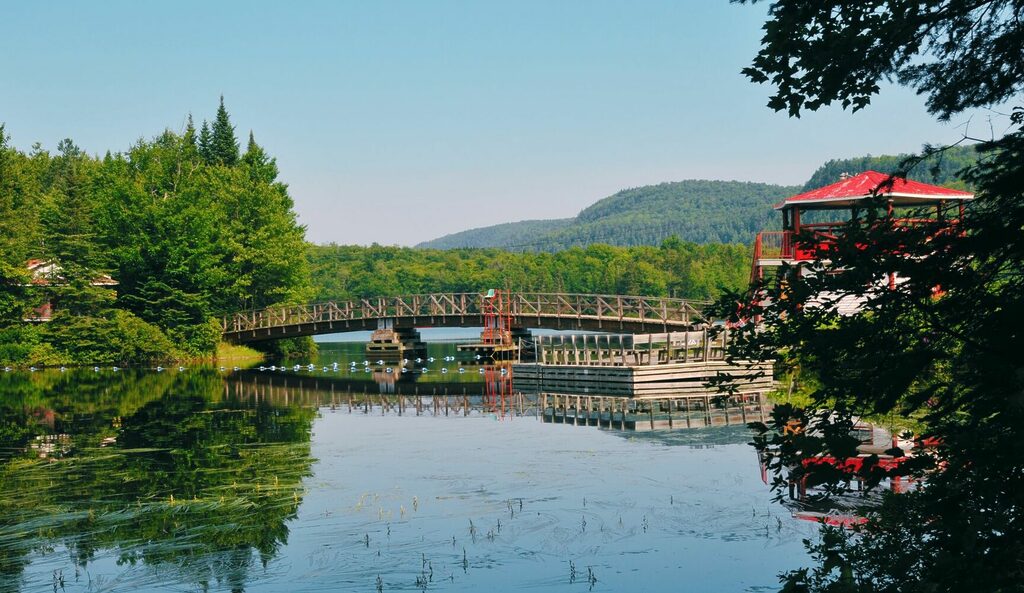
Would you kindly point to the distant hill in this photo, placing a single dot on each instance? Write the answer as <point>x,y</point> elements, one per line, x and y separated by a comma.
<point>507,235</point>
<point>940,169</point>
<point>696,210</point>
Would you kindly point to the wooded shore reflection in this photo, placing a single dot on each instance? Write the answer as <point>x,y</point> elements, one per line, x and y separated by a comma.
<point>166,470</point>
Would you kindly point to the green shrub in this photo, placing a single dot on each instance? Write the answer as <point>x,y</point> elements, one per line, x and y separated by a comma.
<point>117,337</point>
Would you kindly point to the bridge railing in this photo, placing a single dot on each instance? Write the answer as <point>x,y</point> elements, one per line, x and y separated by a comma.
<point>653,310</point>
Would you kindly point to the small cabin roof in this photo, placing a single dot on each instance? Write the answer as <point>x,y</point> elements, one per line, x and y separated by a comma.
<point>45,270</point>
<point>846,192</point>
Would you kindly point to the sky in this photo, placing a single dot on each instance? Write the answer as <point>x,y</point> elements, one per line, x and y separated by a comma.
<point>398,122</point>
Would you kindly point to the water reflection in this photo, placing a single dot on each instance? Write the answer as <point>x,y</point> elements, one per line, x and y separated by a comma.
<point>164,471</point>
<point>143,481</point>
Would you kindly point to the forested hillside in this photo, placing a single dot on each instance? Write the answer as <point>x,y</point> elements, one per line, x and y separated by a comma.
<point>674,268</point>
<point>510,235</point>
<point>696,210</point>
<point>188,226</point>
<point>940,169</point>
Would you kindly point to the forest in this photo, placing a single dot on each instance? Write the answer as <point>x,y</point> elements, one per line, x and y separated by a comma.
<point>674,268</point>
<point>140,252</point>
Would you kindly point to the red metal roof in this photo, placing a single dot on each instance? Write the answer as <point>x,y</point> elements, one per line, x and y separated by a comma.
<point>858,187</point>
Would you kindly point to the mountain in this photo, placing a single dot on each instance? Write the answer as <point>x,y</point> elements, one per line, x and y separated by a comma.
<point>695,210</point>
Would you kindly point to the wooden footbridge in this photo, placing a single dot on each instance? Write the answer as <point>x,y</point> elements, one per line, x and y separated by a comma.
<point>587,312</point>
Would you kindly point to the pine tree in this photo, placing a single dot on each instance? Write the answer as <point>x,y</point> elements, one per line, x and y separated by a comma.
<point>190,132</point>
<point>206,143</point>
<point>224,147</point>
<point>189,144</point>
<point>262,168</point>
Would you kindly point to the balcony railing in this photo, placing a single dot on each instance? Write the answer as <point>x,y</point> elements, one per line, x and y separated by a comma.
<point>816,239</point>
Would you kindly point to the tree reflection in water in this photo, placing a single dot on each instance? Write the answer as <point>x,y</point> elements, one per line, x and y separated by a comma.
<point>165,471</point>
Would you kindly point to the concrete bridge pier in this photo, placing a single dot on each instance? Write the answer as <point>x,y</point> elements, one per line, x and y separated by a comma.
<point>391,344</point>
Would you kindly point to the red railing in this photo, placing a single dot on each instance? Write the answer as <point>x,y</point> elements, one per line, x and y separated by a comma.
<point>774,245</point>
<point>817,238</point>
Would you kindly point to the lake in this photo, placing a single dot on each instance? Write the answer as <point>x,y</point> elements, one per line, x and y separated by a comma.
<point>324,480</point>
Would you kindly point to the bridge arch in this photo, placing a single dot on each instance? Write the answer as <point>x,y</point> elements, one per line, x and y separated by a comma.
<point>585,312</point>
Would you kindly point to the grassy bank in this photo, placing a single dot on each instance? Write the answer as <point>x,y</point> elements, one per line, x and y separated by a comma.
<point>235,353</point>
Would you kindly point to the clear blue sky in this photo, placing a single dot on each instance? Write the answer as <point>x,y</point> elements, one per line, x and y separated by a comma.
<point>398,122</point>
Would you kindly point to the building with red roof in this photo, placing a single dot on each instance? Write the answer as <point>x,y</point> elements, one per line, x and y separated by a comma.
<point>812,220</point>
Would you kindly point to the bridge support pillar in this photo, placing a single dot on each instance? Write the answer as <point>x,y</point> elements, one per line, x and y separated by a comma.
<point>391,344</point>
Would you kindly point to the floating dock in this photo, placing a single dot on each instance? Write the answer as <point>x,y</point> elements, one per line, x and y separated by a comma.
<point>684,364</point>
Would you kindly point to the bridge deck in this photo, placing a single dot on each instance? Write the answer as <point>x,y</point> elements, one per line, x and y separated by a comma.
<point>528,310</point>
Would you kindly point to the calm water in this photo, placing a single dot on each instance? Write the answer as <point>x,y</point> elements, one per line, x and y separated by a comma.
<point>315,481</point>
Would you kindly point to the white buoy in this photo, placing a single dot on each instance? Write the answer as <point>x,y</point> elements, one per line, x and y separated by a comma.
<point>405,370</point>
<point>263,368</point>
<point>366,370</point>
<point>222,369</point>
<point>380,362</point>
<point>159,369</point>
<point>504,371</point>
<point>236,369</point>
<point>273,367</point>
<point>405,361</point>
<point>62,369</point>
<point>444,370</point>
<point>418,360</point>
<point>181,369</point>
<point>387,370</point>
<point>481,371</point>
<point>32,369</point>
<point>95,369</point>
<point>423,370</point>
<point>478,357</point>
<point>431,359</point>
<point>462,370</point>
<point>115,369</point>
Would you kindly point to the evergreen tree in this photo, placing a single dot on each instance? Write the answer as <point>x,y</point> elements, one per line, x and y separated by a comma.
<point>224,145</point>
<point>190,132</point>
<point>15,230</point>
<point>206,143</point>
<point>261,167</point>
